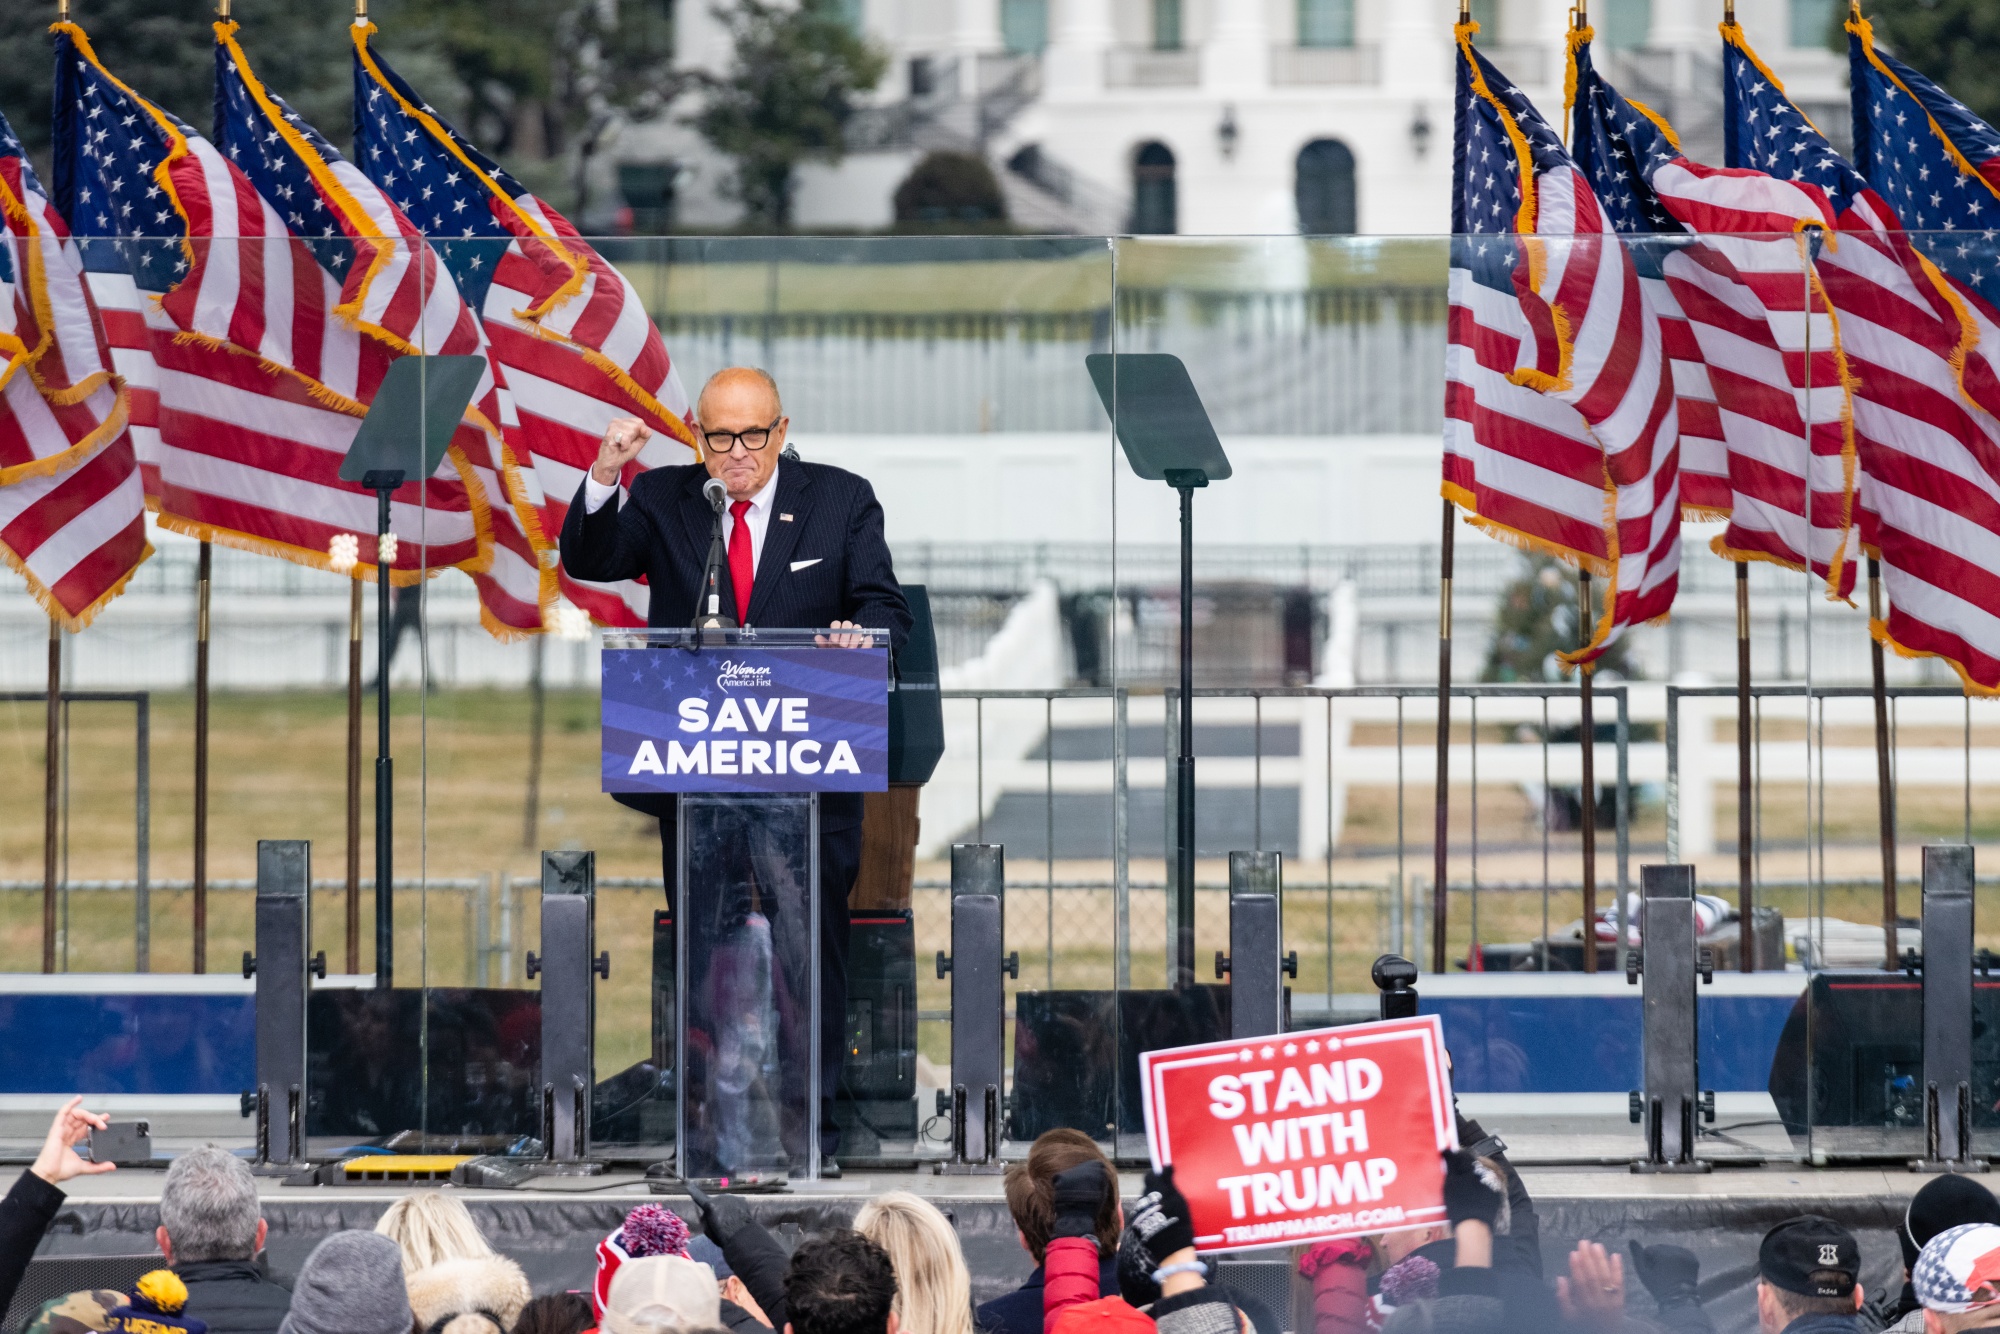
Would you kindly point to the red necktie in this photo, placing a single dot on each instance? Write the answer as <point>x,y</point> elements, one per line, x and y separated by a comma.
<point>741,572</point>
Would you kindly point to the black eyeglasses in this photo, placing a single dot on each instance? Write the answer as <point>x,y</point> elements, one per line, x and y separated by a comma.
<point>754,439</point>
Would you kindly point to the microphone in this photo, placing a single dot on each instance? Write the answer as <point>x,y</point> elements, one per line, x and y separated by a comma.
<point>709,614</point>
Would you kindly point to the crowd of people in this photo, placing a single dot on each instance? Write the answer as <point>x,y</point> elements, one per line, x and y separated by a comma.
<point>425,1268</point>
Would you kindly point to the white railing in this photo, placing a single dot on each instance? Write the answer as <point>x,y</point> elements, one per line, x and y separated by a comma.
<point>1143,67</point>
<point>1310,66</point>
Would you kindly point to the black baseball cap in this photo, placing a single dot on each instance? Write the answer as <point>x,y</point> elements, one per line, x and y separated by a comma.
<point>1810,1255</point>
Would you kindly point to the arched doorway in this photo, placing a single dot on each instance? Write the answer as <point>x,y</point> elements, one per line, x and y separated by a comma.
<point>1325,189</point>
<point>1155,209</point>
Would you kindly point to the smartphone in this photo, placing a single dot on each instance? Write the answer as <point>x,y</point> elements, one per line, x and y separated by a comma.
<point>122,1142</point>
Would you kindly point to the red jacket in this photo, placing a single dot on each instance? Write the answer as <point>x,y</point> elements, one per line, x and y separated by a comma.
<point>1070,1270</point>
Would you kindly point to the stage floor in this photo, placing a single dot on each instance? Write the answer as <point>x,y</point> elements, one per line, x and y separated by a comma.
<point>552,1229</point>
<point>1541,1129</point>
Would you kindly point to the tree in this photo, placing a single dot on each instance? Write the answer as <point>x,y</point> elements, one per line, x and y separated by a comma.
<point>1955,42</point>
<point>947,189</point>
<point>787,98</point>
<point>529,81</point>
<point>540,82</point>
<point>166,50</point>
<point>1537,620</point>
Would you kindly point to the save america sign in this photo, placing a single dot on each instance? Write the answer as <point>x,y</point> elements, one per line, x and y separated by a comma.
<point>737,719</point>
<point>1304,1136</point>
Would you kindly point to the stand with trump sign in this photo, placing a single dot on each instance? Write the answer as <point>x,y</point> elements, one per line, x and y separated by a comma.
<point>1304,1136</point>
<point>730,736</point>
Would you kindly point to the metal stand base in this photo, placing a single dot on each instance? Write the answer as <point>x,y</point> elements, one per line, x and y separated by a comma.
<point>1961,1166</point>
<point>950,1169</point>
<point>578,1168</point>
<point>1695,1168</point>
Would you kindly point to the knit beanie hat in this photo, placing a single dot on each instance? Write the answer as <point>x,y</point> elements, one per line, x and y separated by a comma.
<point>1338,1272</point>
<point>155,1307</point>
<point>647,1230</point>
<point>352,1283</point>
<point>1944,1202</point>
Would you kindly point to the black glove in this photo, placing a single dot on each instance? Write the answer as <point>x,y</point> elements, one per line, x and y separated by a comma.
<point>1468,1198</point>
<point>721,1219</point>
<point>1079,1198</point>
<point>1135,1272</point>
<point>1670,1273</point>
<point>1160,1223</point>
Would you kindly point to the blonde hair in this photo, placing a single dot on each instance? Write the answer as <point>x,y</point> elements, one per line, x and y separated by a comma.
<point>431,1227</point>
<point>933,1289</point>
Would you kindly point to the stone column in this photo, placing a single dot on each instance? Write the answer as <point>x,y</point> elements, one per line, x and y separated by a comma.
<point>1080,34</point>
<point>975,28</point>
<point>1236,60</point>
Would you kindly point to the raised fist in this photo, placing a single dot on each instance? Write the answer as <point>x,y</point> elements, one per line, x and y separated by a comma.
<point>623,439</point>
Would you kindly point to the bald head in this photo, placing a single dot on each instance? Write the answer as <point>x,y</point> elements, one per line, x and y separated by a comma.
<point>736,380</point>
<point>740,401</point>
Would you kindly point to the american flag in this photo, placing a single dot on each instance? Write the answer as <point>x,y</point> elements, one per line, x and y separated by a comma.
<point>1756,369</point>
<point>72,510</point>
<point>569,331</point>
<point>1940,166</point>
<point>1926,497</point>
<point>1561,423</point>
<point>395,294</point>
<point>246,389</point>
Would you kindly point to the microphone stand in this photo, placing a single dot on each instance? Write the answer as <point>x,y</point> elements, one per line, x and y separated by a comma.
<point>709,613</point>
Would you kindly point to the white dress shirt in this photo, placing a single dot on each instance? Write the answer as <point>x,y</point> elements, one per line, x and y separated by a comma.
<point>758,516</point>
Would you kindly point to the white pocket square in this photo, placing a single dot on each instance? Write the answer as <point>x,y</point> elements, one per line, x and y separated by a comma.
<point>798,565</point>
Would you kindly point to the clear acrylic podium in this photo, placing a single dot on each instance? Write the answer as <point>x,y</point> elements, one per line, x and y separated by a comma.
<point>748,906</point>
<point>742,730</point>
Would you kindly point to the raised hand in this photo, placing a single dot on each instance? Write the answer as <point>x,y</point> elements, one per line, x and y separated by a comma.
<point>1593,1296</point>
<point>59,1161</point>
<point>623,439</point>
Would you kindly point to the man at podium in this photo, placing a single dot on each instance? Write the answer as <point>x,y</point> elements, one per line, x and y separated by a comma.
<point>805,549</point>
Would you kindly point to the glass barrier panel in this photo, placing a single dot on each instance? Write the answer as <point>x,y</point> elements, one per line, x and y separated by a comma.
<point>749,986</point>
<point>947,372</point>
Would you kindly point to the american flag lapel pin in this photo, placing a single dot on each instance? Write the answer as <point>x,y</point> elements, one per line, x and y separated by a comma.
<point>784,518</point>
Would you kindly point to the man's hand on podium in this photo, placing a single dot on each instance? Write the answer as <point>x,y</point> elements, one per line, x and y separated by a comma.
<point>844,641</point>
<point>623,439</point>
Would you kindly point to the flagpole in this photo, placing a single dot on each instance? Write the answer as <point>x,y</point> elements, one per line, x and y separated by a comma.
<point>1441,830</point>
<point>201,592</point>
<point>1746,937</point>
<point>1884,779</point>
<point>1439,837</point>
<point>354,777</point>
<point>537,715</point>
<point>51,813</point>
<point>354,738</point>
<point>1588,735</point>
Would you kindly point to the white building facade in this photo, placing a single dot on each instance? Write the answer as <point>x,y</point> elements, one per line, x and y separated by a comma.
<point>1221,117</point>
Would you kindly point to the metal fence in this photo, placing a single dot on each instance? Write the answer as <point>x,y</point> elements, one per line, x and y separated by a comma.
<point>1074,782</point>
<point>1305,362</point>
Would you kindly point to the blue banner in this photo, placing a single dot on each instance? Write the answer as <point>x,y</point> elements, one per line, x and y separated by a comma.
<point>736,719</point>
